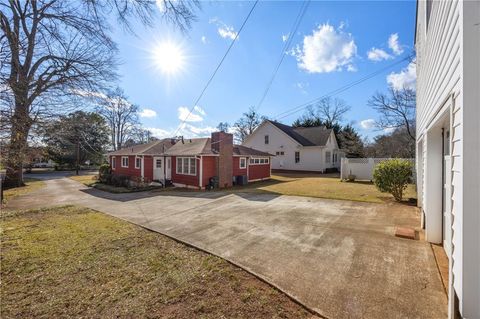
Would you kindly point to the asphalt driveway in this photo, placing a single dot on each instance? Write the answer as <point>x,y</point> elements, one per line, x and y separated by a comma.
<point>339,258</point>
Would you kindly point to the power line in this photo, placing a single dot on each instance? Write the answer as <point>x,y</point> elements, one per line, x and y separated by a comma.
<point>285,48</point>
<point>217,68</point>
<point>339,90</point>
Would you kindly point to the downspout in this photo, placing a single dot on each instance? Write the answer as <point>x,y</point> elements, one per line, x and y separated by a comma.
<point>200,183</point>
<point>142,168</point>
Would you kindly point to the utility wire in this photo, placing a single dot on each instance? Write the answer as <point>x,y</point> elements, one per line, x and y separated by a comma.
<point>217,68</point>
<point>337,91</point>
<point>291,35</point>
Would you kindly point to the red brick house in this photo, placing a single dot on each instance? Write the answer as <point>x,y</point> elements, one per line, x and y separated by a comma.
<point>192,162</point>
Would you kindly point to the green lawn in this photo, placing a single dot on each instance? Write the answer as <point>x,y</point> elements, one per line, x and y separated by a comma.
<point>31,184</point>
<point>76,262</point>
<point>324,186</point>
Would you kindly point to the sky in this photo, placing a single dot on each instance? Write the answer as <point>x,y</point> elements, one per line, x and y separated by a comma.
<point>164,70</point>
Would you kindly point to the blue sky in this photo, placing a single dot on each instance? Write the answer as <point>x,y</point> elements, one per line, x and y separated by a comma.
<point>336,43</point>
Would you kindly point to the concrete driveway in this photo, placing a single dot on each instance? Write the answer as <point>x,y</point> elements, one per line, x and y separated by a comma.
<point>338,258</point>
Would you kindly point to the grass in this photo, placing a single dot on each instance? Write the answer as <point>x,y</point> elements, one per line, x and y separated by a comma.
<point>88,180</point>
<point>75,262</point>
<point>31,184</point>
<point>323,186</point>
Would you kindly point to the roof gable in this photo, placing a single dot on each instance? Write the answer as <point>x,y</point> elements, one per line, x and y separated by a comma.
<point>305,136</point>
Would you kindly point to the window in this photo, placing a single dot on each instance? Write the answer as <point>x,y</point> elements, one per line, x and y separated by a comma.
<point>186,165</point>
<point>280,153</point>
<point>113,162</point>
<point>266,139</point>
<point>335,157</point>
<point>138,162</point>
<point>297,157</point>
<point>429,11</point>
<point>243,162</point>
<point>257,161</point>
<point>158,163</point>
<point>327,157</point>
<point>124,161</point>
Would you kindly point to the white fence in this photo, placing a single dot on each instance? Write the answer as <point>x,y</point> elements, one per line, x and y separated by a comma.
<point>363,168</point>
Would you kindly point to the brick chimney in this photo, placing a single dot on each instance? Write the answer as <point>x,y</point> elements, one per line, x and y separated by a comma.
<point>222,143</point>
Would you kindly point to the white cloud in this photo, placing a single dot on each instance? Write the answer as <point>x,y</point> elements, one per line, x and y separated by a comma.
<point>284,37</point>
<point>204,39</point>
<point>224,30</point>
<point>394,44</point>
<point>196,115</point>
<point>161,5</point>
<point>326,50</point>
<point>148,113</point>
<point>406,78</point>
<point>367,124</point>
<point>388,129</point>
<point>186,130</point>
<point>378,55</point>
<point>160,133</point>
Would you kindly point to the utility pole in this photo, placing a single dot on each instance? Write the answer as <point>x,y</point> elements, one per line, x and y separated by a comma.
<point>78,154</point>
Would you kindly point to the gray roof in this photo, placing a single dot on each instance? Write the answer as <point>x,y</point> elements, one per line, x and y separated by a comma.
<point>194,146</point>
<point>243,150</point>
<point>306,136</point>
<point>151,148</point>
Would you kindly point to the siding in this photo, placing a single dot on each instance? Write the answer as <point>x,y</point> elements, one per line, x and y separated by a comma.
<point>236,167</point>
<point>258,171</point>
<point>130,170</point>
<point>190,180</point>
<point>209,168</point>
<point>148,168</point>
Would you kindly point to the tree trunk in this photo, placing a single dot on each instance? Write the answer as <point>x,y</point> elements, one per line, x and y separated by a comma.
<point>17,148</point>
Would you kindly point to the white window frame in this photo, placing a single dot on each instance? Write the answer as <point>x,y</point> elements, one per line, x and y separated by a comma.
<point>295,157</point>
<point>113,162</point>
<point>156,161</point>
<point>244,160</point>
<point>328,157</point>
<point>179,168</point>
<point>137,158</point>
<point>125,166</point>
<point>259,160</point>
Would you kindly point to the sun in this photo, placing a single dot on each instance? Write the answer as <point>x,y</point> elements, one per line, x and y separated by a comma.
<point>169,57</point>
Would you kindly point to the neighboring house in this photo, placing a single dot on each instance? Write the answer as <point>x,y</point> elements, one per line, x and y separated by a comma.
<point>297,149</point>
<point>192,162</point>
<point>447,43</point>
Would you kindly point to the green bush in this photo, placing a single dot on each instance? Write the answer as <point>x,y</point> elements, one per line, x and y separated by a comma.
<point>104,173</point>
<point>392,176</point>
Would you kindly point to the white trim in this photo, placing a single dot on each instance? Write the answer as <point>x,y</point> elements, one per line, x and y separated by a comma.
<point>189,166</point>
<point>240,163</point>
<point>128,162</point>
<point>113,162</point>
<point>259,179</point>
<point>200,182</point>
<point>254,159</point>
<point>142,168</point>
<point>137,167</point>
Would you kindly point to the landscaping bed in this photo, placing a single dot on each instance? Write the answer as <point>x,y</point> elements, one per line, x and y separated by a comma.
<point>76,262</point>
<point>92,181</point>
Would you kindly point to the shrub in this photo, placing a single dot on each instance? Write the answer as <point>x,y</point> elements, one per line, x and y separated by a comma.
<point>103,173</point>
<point>120,180</point>
<point>392,176</point>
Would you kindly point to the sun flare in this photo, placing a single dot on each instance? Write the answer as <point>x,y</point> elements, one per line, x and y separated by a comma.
<point>169,57</point>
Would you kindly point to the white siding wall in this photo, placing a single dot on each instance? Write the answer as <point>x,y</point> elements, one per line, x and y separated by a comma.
<point>443,67</point>
<point>312,158</point>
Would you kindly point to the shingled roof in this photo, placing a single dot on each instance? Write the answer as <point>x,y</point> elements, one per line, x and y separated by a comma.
<point>306,136</point>
<point>155,147</point>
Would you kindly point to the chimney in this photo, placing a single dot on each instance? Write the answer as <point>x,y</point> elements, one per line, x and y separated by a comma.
<point>222,143</point>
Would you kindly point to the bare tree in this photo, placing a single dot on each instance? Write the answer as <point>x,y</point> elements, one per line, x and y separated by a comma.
<point>396,108</point>
<point>330,110</point>
<point>50,48</point>
<point>121,116</point>
<point>247,124</point>
<point>223,127</point>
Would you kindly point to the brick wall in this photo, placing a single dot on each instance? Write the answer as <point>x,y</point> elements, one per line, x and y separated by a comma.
<point>223,143</point>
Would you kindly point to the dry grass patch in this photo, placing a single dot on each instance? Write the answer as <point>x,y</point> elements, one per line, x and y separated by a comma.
<point>87,180</point>
<point>31,184</point>
<point>76,262</point>
<point>323,186</point>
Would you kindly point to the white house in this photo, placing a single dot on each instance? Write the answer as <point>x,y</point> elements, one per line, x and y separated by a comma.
<point>447,42</point>
<point>299,149</point>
